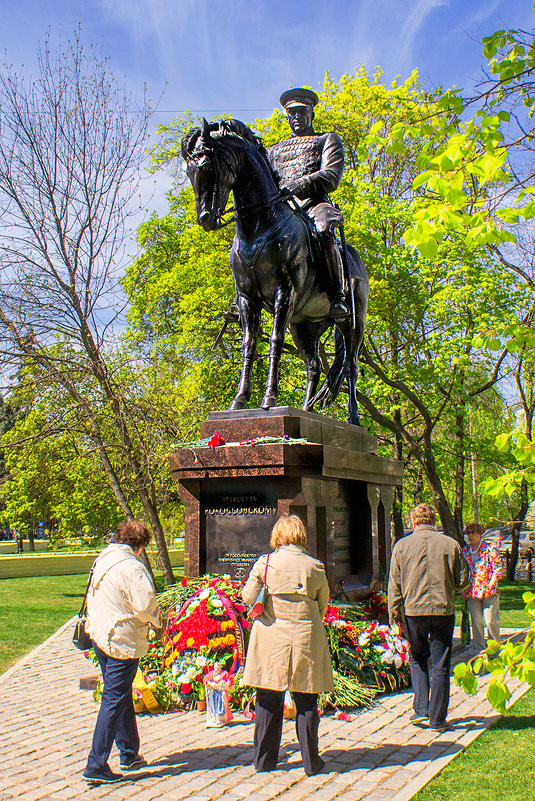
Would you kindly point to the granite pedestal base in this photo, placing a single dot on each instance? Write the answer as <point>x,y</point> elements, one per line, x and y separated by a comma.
<point>335,482</point>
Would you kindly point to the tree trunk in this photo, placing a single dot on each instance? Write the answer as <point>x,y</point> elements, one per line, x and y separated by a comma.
<point>397,507</point>
<point>154,521</point>
<point>459,473</point>
<point>397,514</point>
<point>418,486</point>
<point>441,503</point>
<point>517,524</point>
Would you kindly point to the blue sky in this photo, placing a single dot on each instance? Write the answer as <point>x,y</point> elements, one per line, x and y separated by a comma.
<point>237,56</point>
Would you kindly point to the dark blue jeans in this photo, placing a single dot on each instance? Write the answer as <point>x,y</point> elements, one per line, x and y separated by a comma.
<point>116,718</point>
<point>431,636</point>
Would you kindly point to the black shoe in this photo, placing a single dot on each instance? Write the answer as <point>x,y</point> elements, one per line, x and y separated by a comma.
<point>418,719</point>
<point>441,726</point>
<point>101,776</point>
<point>135,764</point>
<point>339,310</point>
<point>320,766</point>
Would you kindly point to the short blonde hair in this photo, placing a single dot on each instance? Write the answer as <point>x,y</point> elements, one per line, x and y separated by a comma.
<point>287,530</point>
<point>423,514</point>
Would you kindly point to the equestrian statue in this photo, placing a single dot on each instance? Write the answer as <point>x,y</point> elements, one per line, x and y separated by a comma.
<point>285,256</point>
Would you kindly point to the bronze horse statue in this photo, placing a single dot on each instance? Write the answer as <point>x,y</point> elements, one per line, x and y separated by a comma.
<point>276,263</point>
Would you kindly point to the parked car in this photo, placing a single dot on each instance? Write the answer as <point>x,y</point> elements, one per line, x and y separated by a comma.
<point>495,535</point>
<point>501,538</point>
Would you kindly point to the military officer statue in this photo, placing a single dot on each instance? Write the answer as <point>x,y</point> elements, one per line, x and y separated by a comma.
<point>310,166</point>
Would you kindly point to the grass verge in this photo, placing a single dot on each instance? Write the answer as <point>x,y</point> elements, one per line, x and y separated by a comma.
<point>33,608</point>
<point>511,604</point>
<point>498,765</point>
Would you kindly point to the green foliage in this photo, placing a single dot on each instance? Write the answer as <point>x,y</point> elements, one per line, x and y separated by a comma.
<point>509,659</point>
<point>425,308</point>
<point>522,450</point>
<point>55,472</point>
<point>468,180</point>
<point>57,478</point>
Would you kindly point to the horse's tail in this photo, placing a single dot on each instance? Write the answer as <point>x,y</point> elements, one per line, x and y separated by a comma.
<point>348,346</point>
<point>331,386</point>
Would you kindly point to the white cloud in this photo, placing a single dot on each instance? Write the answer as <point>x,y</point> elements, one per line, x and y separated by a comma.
<point>412,26</point>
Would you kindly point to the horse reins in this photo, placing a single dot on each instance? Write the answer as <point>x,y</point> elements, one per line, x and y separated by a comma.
<point>250,208</point>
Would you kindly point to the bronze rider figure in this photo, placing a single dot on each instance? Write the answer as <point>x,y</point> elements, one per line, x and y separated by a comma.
<point>310,166</point>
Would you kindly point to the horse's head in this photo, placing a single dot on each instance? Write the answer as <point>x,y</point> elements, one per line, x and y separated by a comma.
<point>209,168</point>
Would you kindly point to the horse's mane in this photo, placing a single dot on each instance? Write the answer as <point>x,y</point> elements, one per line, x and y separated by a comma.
<point>224,128</point>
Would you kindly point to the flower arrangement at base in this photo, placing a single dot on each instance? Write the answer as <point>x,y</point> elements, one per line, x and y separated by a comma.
<point>372,655</point>
<point>208,627</point>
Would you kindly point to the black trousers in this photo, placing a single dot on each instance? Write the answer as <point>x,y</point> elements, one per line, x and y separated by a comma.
<point>431,637</point>
<point>269,710</point>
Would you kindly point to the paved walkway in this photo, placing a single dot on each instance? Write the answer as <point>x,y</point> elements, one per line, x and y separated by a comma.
<point>47,722</point>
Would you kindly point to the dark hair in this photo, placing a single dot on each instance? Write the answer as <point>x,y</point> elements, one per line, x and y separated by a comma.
<point>473,528</point>
<point>133,533</point>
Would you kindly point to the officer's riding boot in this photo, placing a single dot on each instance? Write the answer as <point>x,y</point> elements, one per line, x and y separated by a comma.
<point>335,289</point>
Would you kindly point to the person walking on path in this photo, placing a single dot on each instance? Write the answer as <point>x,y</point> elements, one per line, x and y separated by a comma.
<point>121,604</point>
<point>288,649</point>
<point>482,595</point>
<point>425,571</point>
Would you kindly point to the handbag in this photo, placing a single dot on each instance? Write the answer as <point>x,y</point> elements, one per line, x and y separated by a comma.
<point>258,607</point>
<point>465,624</point>
<point>81,638</point>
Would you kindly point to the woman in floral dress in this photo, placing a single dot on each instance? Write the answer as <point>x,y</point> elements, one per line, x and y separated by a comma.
<point>483,595</point>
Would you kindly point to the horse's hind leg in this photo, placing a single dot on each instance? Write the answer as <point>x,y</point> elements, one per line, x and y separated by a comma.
<point>250,322</point>
<point>306,336</point>
<point>281,314</point>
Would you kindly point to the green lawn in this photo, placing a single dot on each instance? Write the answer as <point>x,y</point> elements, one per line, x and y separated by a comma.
<point>498,765</point>
<point>31,609</point>
<point>511,604</point>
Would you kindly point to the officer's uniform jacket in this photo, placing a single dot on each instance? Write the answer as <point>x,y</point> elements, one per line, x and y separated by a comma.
<point>315,163</point>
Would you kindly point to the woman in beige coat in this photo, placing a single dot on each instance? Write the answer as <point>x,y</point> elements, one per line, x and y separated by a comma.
<point>288,649</point>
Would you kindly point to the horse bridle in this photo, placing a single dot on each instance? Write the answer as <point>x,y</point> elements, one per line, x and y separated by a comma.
<point>250,207</point>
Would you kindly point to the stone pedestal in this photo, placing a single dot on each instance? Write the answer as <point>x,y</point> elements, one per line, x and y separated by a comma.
<point>335,482</point>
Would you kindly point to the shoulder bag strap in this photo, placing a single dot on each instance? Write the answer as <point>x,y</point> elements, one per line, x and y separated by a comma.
<point>265,571</point>
<point>82,611</point>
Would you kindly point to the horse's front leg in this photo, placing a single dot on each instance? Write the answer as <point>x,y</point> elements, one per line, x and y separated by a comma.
<point>250,323</point>
<point>281,315</point>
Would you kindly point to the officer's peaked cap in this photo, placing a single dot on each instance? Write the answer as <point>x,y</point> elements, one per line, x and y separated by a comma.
<point>299,97</point>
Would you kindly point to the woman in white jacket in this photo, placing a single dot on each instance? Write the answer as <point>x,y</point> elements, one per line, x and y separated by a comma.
<point>121,605</point>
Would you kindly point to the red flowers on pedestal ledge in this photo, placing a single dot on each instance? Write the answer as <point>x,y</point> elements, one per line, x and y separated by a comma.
<point>215,440</point>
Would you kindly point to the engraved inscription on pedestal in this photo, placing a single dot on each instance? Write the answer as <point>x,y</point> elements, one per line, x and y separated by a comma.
<point>340,535</point>
<point>238,518</point>
<point>348,541</point>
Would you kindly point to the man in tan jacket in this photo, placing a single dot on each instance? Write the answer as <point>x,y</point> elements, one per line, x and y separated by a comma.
<point>425,571</point>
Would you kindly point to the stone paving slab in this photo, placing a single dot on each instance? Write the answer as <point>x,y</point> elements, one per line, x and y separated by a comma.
<point>47,723</point>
